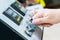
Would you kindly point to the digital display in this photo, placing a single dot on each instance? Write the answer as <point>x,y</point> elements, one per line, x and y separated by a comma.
<point>18,8</point>
<point>16,4</point>
<point>15,17</point>
<point>9,12</point>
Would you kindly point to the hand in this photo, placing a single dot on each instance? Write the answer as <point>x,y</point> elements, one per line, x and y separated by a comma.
<point>47,17</point>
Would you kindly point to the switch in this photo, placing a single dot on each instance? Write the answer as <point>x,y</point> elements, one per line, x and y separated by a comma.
<point>30,29</point>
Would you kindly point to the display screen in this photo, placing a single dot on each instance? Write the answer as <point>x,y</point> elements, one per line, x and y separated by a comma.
<point>15,17</point>
<point>18,8</point>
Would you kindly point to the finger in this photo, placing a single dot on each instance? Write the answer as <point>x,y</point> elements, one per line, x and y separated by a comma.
<point>35,12</point>
<point>46,25</point>
<point>38,15</point>
<point>40,21</point>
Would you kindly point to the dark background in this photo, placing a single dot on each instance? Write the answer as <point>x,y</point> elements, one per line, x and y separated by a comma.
<point>8,34</point>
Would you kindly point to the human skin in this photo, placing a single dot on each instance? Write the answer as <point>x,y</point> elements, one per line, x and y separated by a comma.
<point>47,17</point>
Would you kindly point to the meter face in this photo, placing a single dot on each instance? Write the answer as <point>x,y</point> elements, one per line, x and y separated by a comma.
<point>15,17</point>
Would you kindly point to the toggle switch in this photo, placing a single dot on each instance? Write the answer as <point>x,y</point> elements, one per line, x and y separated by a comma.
<point>30,29</point>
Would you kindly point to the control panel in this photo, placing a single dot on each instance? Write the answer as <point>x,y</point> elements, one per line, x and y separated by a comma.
<point>19,19</point>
